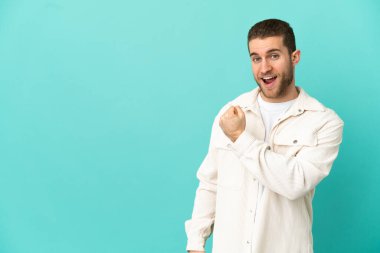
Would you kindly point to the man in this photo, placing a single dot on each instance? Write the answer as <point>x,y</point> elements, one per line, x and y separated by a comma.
<point>269,149</point>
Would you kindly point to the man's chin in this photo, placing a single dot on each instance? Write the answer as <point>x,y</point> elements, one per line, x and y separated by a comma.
<point>268,93</point>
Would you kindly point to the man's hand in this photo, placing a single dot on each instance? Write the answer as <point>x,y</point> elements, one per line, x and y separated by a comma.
<point>232,122</point>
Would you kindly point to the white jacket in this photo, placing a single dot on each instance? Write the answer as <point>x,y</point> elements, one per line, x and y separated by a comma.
<point>303,145</point>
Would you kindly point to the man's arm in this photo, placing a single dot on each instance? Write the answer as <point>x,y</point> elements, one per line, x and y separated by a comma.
<point>289,176</point>
<point>199,227</point>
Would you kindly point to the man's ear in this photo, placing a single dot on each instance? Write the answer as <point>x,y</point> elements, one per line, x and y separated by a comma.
<point>296,57</point>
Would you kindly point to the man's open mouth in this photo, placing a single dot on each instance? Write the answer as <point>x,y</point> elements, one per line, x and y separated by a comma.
<point>269,79</point>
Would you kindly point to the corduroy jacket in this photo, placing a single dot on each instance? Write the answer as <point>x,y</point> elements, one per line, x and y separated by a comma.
<point>256,197</point>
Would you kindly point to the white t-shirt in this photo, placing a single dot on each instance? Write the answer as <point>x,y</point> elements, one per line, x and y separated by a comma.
<point>271,112</point>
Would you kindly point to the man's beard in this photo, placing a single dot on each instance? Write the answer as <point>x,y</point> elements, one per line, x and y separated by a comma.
<point>287,79</point>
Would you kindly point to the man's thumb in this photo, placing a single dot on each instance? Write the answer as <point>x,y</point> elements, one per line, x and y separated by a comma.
<point>239,111</point>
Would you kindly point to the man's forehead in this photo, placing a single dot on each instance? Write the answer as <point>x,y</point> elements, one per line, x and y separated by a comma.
<point>263,45</point>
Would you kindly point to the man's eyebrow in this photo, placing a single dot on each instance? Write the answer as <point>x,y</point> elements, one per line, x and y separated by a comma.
<point>273,50</point>
<point>267,52</point>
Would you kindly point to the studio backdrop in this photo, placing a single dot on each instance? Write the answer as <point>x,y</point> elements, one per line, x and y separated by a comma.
<point>106,110</point>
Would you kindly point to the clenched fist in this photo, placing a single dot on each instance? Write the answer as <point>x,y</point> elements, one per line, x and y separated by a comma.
<point>232,122</point>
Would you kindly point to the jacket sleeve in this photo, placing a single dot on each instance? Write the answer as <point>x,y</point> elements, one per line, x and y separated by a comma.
<point>199,227</point>
<point>291,176</point>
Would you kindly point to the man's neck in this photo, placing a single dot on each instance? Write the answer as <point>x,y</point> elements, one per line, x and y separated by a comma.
<point>290,94</point>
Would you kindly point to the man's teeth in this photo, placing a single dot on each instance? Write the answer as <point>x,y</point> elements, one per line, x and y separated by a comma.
<point>268,77</point>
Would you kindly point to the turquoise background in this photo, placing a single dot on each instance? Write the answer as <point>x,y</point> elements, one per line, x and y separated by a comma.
<point>106,109</point>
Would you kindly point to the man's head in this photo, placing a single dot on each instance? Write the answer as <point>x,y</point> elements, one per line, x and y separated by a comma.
<point>273,53</point>
<point>274,27</point>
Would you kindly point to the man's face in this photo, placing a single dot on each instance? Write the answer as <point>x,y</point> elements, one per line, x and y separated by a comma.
<point>273,67</point>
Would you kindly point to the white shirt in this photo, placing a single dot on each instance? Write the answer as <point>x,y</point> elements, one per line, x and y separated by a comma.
<point>298,155</point>
<point>271,112</point>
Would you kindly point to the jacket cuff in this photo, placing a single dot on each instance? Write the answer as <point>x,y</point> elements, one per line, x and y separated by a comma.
<point>242,143</point>
<point>195,245</point>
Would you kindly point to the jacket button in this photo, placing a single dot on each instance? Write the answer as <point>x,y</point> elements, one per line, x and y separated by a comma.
<point>295,142</point>
<point>268,148</point>
<point>299,110</point>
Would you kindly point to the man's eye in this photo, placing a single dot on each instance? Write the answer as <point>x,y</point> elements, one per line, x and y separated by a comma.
<point>274,56</point>
<point>256,59</point>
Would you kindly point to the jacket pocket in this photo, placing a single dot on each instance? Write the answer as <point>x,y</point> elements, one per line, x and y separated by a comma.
<point>291,144</point>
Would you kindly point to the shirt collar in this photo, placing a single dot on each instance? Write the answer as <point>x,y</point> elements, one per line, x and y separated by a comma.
<point>303,102</point>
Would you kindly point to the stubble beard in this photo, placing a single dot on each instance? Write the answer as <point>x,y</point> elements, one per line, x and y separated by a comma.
<point>287,79</point>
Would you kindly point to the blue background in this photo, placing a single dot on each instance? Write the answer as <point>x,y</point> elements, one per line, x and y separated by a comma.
<point>106,109</point>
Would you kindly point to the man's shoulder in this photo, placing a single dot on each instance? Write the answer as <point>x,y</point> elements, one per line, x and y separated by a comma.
<point>318,108</point>
<point>244,99</point>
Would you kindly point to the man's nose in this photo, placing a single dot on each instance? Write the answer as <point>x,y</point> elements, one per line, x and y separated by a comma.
<point>265,67</point>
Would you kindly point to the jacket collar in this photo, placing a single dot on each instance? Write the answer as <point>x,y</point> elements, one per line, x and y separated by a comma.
<point>303,102</point>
